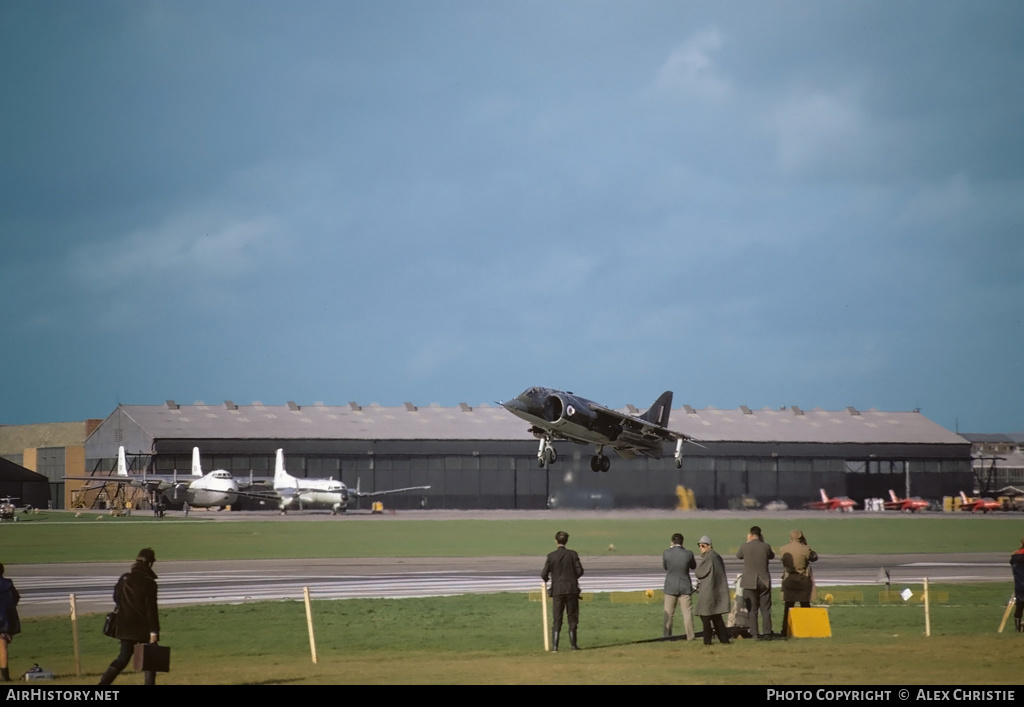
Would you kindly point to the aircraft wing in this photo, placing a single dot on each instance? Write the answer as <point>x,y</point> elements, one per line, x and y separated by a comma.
<point>637,426</point>
<point>255,483</point>
<point>263,493</point>
<point>634,434</point>
<point>150,483</point>
<point>356,493</point>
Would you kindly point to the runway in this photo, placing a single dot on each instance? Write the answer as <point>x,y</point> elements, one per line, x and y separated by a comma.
<point>45,590</point>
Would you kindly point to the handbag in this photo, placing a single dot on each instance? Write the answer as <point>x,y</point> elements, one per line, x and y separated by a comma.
<point>152,657</point>
<point>110,624</point>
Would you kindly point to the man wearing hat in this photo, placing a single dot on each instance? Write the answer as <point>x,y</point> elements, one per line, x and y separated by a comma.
<point>797,580</point>
<point>712,591</point>
<point>137,621</point>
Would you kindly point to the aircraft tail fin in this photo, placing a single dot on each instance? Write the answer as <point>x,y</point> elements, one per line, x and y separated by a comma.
<point>824,496</point>
<point>122,465</point>
<point>658,412</point>
<point>197,467</point>
<point>892,495</point>
<point>282,479</point>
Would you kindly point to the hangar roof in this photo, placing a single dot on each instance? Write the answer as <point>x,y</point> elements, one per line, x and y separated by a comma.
<point>409,422</point>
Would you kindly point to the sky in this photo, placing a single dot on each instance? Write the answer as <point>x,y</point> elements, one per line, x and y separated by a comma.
<point>790,203</point>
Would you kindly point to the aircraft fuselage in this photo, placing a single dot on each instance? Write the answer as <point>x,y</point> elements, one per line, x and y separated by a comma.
<point>556,414</point>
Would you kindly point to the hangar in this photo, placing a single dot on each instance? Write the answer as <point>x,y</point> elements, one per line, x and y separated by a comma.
<point>24,485</point>
<point>482,457</point>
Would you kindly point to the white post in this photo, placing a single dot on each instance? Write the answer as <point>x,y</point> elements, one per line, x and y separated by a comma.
<point>309,623</point>
<point>927,611</point>
<point>1006,614</point>
<point>544,616</point>
<point>74,637</point>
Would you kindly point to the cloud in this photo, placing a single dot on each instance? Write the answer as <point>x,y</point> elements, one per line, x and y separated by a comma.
<point>191,267</point>
<point>821,131</point>
<point>185,249</point>
<point>690,69</point>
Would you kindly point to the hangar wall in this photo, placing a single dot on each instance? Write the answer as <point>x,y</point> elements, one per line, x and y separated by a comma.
<point>505,475</point>
<point>481,458</point>
<point>53,449</point>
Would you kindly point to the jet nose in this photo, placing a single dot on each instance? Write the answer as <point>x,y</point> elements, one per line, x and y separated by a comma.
<point>514,405</point>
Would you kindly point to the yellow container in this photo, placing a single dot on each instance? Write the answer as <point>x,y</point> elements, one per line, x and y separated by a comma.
<point>808,623</point>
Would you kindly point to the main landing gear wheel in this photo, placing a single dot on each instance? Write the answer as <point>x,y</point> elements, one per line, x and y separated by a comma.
<point>546,455</point>
<point>600,463</point>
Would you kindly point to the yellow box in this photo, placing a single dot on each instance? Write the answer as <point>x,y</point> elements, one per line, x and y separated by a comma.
<point>808,623</point>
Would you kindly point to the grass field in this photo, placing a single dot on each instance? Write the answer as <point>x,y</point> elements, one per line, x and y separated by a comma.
<point>61,537</point>
<point>497,639</point>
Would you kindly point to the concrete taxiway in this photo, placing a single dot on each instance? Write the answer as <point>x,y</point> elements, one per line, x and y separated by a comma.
<point>45,590</point>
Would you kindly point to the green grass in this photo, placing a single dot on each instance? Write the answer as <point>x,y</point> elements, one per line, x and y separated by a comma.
<point>497,639</point>
<point>61,537</point>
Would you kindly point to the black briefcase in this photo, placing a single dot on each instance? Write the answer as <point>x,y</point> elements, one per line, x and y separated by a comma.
<point>152,656</point>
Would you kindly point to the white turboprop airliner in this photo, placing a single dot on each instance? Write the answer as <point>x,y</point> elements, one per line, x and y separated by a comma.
<point>312,494</point>
<point>214,490</point>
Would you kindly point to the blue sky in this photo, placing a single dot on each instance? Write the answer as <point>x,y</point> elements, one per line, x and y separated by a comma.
<point>748,203</point>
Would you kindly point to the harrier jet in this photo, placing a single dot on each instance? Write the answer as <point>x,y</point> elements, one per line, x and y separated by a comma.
<point>556,414</point>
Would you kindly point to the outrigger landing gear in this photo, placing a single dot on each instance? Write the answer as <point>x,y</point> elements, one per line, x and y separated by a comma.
<point>679,453</point>
<point>546,453</point>
<point>599,462</point>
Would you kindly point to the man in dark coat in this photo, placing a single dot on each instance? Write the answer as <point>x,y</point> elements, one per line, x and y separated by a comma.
<point>678,561</point>
<point>10,623</point>
<point>712,591</point>
<point>137,620</point>
<point>1017,563</point>
<point>564,569</point>
<point>756,582</point>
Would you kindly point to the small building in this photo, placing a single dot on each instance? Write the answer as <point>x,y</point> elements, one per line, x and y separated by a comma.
<point>24,487</point>
<point>998,461</point>
<point>51,449</point>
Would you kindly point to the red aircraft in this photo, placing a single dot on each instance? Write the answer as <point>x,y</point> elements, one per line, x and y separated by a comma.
<point>913,504</point>
<point>979,504</point>
<point>839,503</point>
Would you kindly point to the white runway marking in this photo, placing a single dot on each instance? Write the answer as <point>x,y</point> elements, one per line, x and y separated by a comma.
<point>95,593</point>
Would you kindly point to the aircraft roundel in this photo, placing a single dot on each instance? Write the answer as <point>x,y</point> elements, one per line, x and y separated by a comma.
<point>570,411</point>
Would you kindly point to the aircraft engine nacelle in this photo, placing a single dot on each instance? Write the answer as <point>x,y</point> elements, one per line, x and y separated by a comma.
<point>565,408</point>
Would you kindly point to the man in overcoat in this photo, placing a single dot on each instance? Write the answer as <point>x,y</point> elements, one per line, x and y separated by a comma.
<point>678,561</point>
<point>797,581</point>
<point>137,620</point>
<point>1017,564</point>
<point>564,569</point>
<point>712,591</point>
<point>756,582</point>
<point>10,622</point>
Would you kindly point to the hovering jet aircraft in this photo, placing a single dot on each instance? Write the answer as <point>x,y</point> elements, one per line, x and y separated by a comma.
<point>311,494</point>
<point>912,504</point>
<point>979,504</point>
<point>838,503</point>
<point>214,490</point>
<point>556,414</point>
